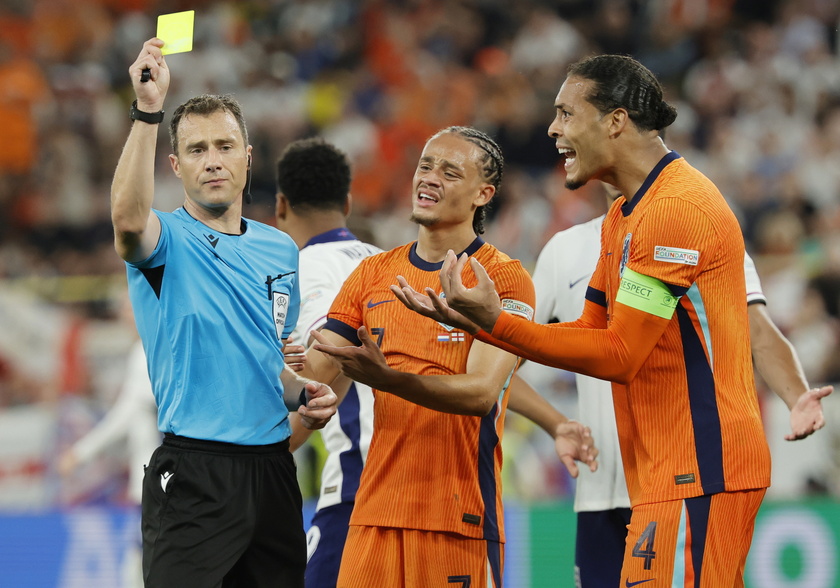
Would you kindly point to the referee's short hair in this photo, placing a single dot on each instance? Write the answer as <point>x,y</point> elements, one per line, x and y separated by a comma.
<point>314,174</point>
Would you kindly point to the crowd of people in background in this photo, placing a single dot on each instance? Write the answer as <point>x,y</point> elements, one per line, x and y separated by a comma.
<point>756,84</point>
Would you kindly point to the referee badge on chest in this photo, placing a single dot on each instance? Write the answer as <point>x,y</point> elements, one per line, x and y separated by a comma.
<point>280,309</point>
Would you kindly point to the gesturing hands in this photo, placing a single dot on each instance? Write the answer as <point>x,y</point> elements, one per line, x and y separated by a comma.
<point>469,309</point>
<point>806,416</point>
<point>573,441</point>
<point>365,364</point>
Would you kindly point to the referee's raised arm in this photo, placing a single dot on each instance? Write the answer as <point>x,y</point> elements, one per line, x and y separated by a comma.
<point>136,230</point>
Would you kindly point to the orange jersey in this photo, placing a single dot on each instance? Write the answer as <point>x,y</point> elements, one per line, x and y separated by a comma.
<point>688,417</point>
<point>427,470</point>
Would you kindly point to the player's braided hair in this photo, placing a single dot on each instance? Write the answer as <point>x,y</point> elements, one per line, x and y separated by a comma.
<point>623,82</point>
<point>205,105</point>
<point>314,174</point>
<point>492,165</point>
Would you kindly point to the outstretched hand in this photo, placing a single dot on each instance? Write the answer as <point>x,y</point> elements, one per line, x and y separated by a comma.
<point>365,364</point>
<point>573,442</point>
<point>806,416</point>
<point>321,403</point>
<point>468,309</point>
<point>433,306</point>
<point>479,304</point>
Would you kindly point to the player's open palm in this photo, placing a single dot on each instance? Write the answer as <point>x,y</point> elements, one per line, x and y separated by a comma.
<point>365,363</point>
<point>432,306</point>
<point>806,416</point>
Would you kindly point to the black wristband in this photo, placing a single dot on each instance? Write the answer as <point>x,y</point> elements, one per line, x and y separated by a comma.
<point>152,118</point>
<point>301,401</point>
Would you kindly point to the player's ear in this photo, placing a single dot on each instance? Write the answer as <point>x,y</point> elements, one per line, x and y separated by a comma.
<point>485,195</point>
<point>617,121</point>
<point>348,205</point>
<point>280,206</point>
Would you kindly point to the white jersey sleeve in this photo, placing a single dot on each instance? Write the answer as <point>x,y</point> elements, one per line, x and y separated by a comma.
<point>323,269</point>
<point>754,292</point>
<point>561,278</point>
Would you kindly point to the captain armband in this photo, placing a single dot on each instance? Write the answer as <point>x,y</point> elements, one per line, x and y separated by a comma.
<point>646,294</point>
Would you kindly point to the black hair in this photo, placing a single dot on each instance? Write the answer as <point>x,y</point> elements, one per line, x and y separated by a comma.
<point>622,82</point>
<point>205,105</point>
<point>492,165</point>
<point>312,173</point>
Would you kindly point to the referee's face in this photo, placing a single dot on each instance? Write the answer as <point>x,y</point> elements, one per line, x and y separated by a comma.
<point>212,160</point>
<point>448,184</point>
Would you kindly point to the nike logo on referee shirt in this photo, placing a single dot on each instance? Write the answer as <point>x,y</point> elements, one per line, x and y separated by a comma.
<point>371,303</point>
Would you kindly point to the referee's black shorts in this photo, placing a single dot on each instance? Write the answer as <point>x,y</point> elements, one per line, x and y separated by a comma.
<point>222,515</point>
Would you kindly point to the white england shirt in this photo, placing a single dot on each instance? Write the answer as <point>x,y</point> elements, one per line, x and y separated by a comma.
<point>561,277</point>
<point>325,262</point>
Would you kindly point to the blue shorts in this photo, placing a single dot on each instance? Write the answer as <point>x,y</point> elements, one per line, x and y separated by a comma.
<point>599,547</point>
<point>325,544</point>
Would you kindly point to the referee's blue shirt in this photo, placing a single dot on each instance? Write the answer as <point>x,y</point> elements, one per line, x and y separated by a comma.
<point>211,309</point>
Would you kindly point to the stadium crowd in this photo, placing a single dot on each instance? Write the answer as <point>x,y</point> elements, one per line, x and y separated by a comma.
<point>756,84</point>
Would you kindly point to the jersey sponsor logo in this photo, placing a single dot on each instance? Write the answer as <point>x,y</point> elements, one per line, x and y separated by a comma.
<point>372,304</point>
<point>676,255</point>
<point>518,308</point>
<point>450,338</point>
<point>280,309</point>
<point>684,479</point>
<point>213,240</point>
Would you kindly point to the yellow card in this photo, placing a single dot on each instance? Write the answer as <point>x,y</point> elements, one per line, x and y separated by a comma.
<point>176,31</point>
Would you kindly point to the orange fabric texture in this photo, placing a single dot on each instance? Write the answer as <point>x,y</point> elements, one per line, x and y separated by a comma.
<point>688,416</point>
<point>405,558</point>
<point>426,469</point>
<point>710,540</point>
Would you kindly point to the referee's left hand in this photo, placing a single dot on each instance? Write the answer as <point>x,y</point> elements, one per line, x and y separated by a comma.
<point>321,404</point>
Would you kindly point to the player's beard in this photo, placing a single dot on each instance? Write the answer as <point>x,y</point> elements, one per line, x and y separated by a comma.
<point>422,221</point>
<point>574,184</point>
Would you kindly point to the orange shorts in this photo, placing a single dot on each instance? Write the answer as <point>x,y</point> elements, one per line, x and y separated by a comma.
<point>676,542</point>
<point>407,558</point>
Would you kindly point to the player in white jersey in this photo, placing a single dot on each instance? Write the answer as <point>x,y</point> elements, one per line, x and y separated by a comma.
<point>561,277</point>
<point>313,179</point>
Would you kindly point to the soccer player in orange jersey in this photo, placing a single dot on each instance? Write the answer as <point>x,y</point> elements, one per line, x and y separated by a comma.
<point>428,510</point>
<point>664,319</point>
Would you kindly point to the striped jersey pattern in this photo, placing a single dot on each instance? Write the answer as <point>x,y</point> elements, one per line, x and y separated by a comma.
<point>689,422</point>
<point>427,470</point>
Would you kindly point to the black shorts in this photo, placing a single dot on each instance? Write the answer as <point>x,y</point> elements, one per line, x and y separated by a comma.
<point>222,515</point>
